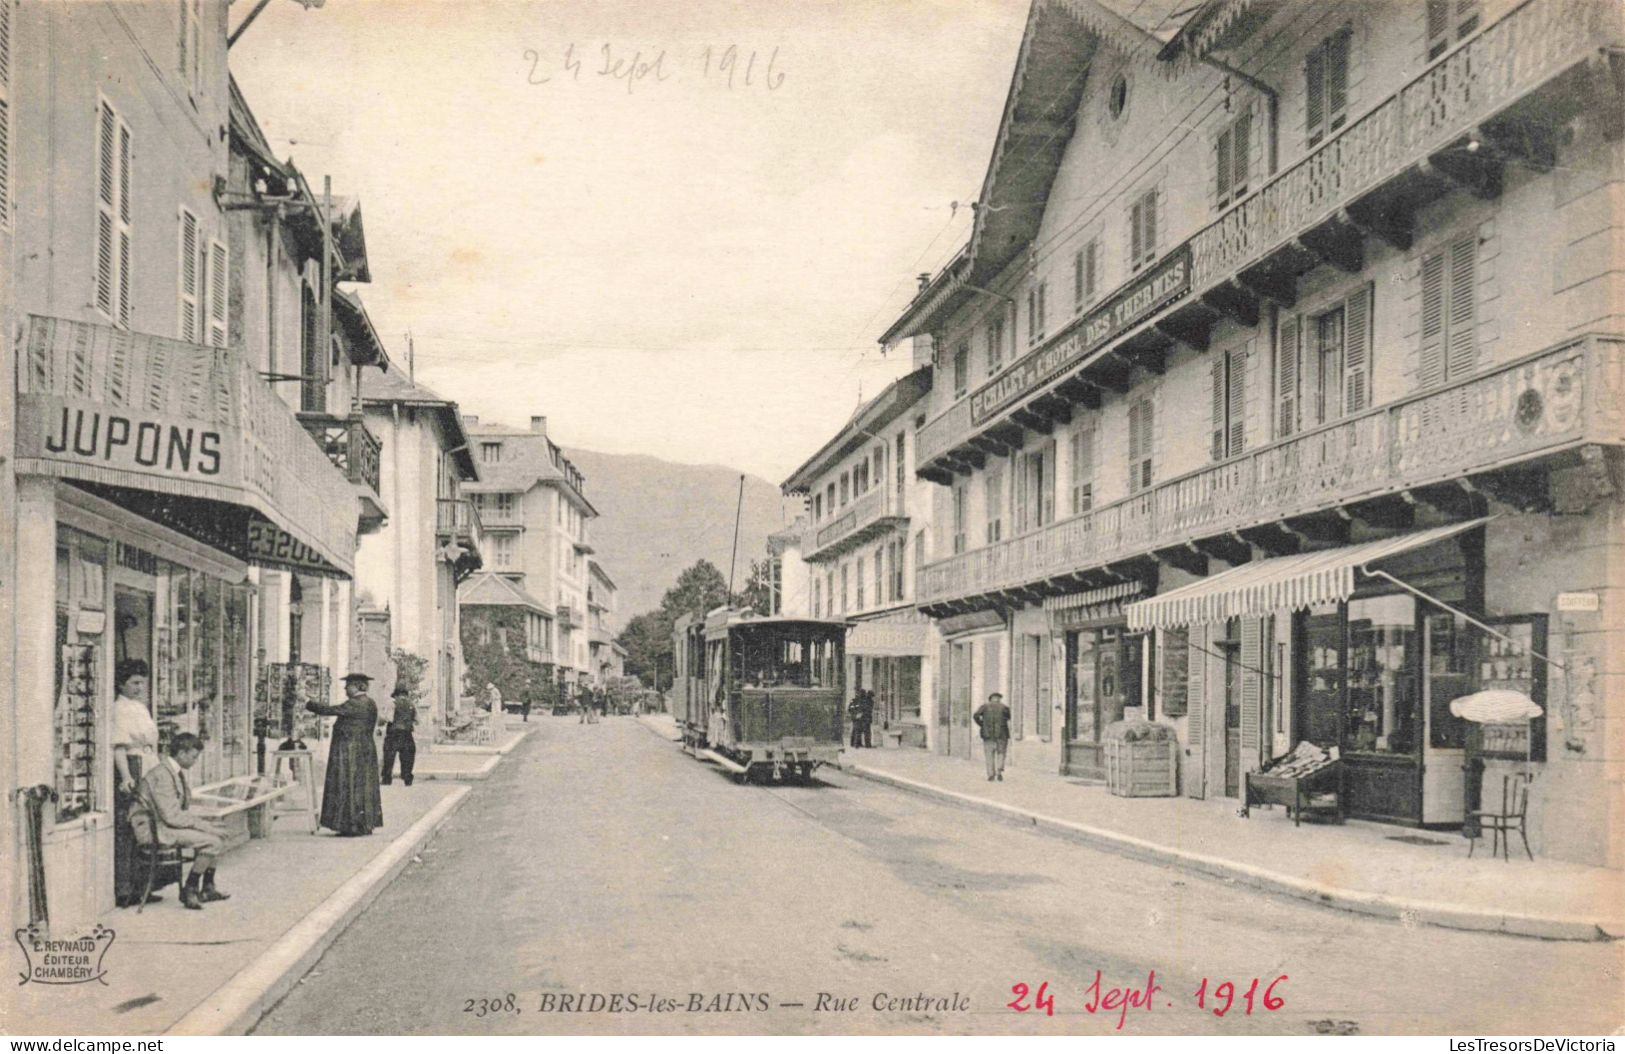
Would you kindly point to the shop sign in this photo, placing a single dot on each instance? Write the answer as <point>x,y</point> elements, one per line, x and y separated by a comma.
<point>270,545</point>
<point>1579,602</point>
<point>1163,284</point>
<point>57,429</point>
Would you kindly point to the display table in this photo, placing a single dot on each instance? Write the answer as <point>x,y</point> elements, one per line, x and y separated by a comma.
<point>1306,779</point>
<point>240,805</point>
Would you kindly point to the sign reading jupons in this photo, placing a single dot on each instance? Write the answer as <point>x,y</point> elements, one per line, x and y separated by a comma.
<point>1158,287</point>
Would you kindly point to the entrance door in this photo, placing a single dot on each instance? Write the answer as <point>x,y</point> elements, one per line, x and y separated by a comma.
<point>132,627</point>
<point>1232,718</point>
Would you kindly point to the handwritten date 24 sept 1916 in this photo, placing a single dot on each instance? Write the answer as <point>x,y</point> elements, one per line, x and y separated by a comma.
<point>730,66</point>
<point>1220,998</point>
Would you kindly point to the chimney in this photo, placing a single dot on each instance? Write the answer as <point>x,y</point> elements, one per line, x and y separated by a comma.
<point>924,278</point>
<point>470,420</point>
<point>538,425</point>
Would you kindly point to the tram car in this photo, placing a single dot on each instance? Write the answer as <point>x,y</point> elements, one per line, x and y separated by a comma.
<point>760,695</point>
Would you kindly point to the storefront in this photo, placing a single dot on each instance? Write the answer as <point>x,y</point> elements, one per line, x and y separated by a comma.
<point>970,667</point>
<point>1361,648</point>
<point>152,476</point>
<point>886,656</point>
<point>1102,666</point>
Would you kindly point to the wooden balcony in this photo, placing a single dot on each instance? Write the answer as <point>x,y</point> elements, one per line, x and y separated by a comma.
<point>873,513</point>
<point>1503,96</point>
<point>457,523</point>
<point>348,445</point>
<point>1496,434</point>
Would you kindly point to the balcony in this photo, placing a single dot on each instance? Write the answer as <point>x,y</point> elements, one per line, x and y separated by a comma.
<point>873,513</point>
<point>495,518</point>
<point>348,445</point>
<point>457,523</point>
<point>566,615</point>
<point>1500,433</point>
<point>1502,96</point>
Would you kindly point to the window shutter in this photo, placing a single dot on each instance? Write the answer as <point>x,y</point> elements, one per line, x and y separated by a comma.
<point>1241,153</point>
<point>1460,328</point>
<point>1196,714</point>
<point>106,202</point>
<point>1337,78</point>
<point>188,276</point>
<point>1431,366</point>
<point>1438,20</point>
<point>1046,483</point>
<point>1091,264</point>
<point>5,112</point>
<point>1357,350</point>
<point>1133,446</point>
<point>1077,279</point>
<point>1223,166</point>
<point>1019,651</point>
<point>219,281</point>
<point>124,276</point>
<point>1134,224</point>
<point>1046,706</point>
<point>1149,219</point>
<point>1019,491</point>
<point>1237,439</point>
<point>1218,408</point>
<point>1286,376</point>
<point>186,40</point>
<point>945,680</point>
<point>1315,94</point>
<point>1252,689</point>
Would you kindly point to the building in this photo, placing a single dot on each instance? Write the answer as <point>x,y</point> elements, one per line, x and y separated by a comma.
<point>867,522</point>
<point>533,503</point>
<point>789,580</point>
<point>507,639</point>
<point>407,572</point>
<point>604,656</point>
<point>159,478</point>
<point>1285,352</point>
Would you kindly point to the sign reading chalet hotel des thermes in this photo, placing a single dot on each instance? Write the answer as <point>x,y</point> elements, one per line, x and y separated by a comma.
<point>1163,284</point>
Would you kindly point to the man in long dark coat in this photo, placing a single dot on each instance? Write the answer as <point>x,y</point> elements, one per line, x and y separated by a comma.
<point>351,804</point>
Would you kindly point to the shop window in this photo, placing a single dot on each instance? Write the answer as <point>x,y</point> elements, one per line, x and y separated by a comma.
<point>1232,161</point>
<point>1451,21</point>
<point>1448,313</point>
<point>1326,85</point>
<point>1229,403</point>
<point>995,343</point>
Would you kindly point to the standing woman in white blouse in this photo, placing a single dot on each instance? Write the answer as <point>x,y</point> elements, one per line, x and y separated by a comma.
<point>135,752</point>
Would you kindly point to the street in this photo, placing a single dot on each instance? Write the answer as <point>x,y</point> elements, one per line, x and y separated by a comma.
<point>610,884</point>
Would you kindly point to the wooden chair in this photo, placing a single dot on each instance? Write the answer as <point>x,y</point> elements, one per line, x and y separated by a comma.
<point>152,854</point>
<point>1512,816</point>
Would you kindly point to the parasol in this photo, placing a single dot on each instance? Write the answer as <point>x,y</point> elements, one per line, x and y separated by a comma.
<point>1495,706</point>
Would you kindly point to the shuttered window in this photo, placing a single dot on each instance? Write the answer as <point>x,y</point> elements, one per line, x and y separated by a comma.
<point>1140,433</point>
<point>189,276</point>
<point>1450,21</point>
<point>961,368</point>
<point>1035,313</point>
<point>1252,692</point>
<point>219,285</point>
<point>1195,774</point>
<point>1086,275</point>
<point>959,500</point>
<point>191,41</point>
<point>1286,375</point>
<point>1229,387</point>
<point>1035,488</point>
<point>1232,161</point>
<point>1448,310</point>
<point>111,280</point>
<point>994,494</point>
<point>6,22</point>
<point>995,343</point>
<point>1323,363</point>
<point>1081,453</point>
<point>1326,88</point>
<point>1143,230</point>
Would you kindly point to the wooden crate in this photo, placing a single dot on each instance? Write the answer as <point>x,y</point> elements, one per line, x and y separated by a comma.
<point>1146,769</point>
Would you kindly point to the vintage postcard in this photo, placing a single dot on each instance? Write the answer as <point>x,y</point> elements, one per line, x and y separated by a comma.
<point>950,517</point>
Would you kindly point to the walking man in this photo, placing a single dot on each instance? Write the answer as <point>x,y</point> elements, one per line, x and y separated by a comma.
<point>993,718</point>
<point>398,738</point>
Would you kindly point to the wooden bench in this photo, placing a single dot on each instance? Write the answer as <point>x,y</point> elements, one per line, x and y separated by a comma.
<point>241,805</point>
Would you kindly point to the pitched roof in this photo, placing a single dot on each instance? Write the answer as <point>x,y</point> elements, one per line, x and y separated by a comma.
<point>367,347</point>
<point>1058,47</point>
<point>395,388</point>
<point>487,588</point>
<point>528,458</point>
<point>877,413</point>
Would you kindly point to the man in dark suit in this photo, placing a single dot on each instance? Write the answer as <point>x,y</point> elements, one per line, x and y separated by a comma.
<point>862,712</point>
<point>398,737</point>
<point>993,718</point>
<point>169,796</point>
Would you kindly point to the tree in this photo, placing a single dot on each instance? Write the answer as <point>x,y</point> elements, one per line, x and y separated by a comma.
<point>699,589</point>
<point>647,640</point>
<point>758,592</point>
<point>647,637</point>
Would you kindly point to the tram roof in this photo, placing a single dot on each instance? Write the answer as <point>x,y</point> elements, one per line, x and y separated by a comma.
<point>722,620</point>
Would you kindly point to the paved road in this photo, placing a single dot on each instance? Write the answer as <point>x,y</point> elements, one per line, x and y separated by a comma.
<point>600,860</point>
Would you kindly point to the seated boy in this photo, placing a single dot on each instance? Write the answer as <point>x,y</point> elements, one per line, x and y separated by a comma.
<point>167,793</point>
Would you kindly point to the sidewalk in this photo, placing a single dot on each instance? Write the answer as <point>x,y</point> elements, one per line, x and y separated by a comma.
<point>215,971</point>
<point>1355,866</point>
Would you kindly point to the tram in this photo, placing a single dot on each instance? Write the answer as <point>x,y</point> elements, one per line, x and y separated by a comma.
<point>760,695</point>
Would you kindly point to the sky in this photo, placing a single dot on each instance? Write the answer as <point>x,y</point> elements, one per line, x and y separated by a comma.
<point>675,229</point>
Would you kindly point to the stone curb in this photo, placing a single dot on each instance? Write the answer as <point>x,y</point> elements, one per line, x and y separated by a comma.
<point>461,775</point>
<point>237,1006</point>
<point>1408,911</point>
<point>464,748</point>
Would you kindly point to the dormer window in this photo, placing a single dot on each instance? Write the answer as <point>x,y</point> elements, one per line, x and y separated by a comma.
<point>490,453</point>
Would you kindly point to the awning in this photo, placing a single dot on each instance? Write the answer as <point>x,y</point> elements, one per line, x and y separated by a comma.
<point>1286,583</point>
<point>184,434</point>
<point>1091,597</point>
<point>976,620</point>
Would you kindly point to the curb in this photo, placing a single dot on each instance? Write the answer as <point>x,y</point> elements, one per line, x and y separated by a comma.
<point>464,748</point>
<point>237,1006</point>
<point>1406,910</point>
<point>462,775</point>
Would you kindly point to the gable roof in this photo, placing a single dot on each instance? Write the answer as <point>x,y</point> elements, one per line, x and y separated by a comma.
<point>528,459</point>
<point>490,589</point>
<point>1052,69</point>
<point>395,388</point>
<point>365,346</point>
<point>873,415</point>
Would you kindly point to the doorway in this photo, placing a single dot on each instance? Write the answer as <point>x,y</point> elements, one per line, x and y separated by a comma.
<point>1230,648</point>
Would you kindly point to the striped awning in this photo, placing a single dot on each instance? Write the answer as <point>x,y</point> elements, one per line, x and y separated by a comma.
<point>1286,583</point>
<point>1091,597</point>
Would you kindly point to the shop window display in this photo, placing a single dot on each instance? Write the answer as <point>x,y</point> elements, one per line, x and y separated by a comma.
<point>77,715</point>
<point>1382,715</point>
